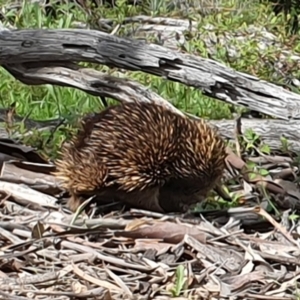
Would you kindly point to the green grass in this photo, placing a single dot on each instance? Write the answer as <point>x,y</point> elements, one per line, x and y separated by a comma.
<point>47,102</point>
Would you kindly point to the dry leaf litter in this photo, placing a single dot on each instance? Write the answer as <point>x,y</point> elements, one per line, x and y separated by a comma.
<point>241,252</point>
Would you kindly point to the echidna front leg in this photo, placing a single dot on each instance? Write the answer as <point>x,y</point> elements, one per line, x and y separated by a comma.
<point>74,201</point>
<point>147,199</point>
<point>175,198</point>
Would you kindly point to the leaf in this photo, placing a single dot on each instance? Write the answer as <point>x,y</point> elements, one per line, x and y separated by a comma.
<point>263,172</point>
<point>252,176</point>
<point>265,149</point>
<point>38,230</point>
<point>180,280</point>
<point>166,231</point>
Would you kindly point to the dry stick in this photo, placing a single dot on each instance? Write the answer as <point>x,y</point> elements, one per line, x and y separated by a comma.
<point>238,133</point>
<point>11,283</point>
<point>280,228</point>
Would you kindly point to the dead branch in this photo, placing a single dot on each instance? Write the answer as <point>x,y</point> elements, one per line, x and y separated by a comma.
<point>213,78</point>
<point>270,131</point>
<point>123,89</point>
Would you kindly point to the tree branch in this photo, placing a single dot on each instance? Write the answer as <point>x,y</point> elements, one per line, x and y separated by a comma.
<point>126,90</point>
<point>213,78</point>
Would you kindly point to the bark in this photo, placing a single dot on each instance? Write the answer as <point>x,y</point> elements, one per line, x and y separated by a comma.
<point>48,48</point>
<point>121,89</point>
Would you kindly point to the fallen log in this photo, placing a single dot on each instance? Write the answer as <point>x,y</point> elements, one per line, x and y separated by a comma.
<point>122,89</point>
<point>78,45</point>
<point>270,131</point>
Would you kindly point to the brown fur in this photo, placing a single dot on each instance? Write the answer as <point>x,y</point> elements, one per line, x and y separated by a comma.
<point>142,154</point>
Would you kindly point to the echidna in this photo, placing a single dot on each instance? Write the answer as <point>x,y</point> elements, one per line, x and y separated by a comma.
<point>142,154</point>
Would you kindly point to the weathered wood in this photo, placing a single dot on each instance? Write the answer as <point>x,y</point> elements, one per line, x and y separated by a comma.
<point>91,81</point>
<point>122,89</point>
<point>270,131</point>
<point>215,79</point>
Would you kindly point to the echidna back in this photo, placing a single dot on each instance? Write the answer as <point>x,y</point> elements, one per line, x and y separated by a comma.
<point>136,146</point>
